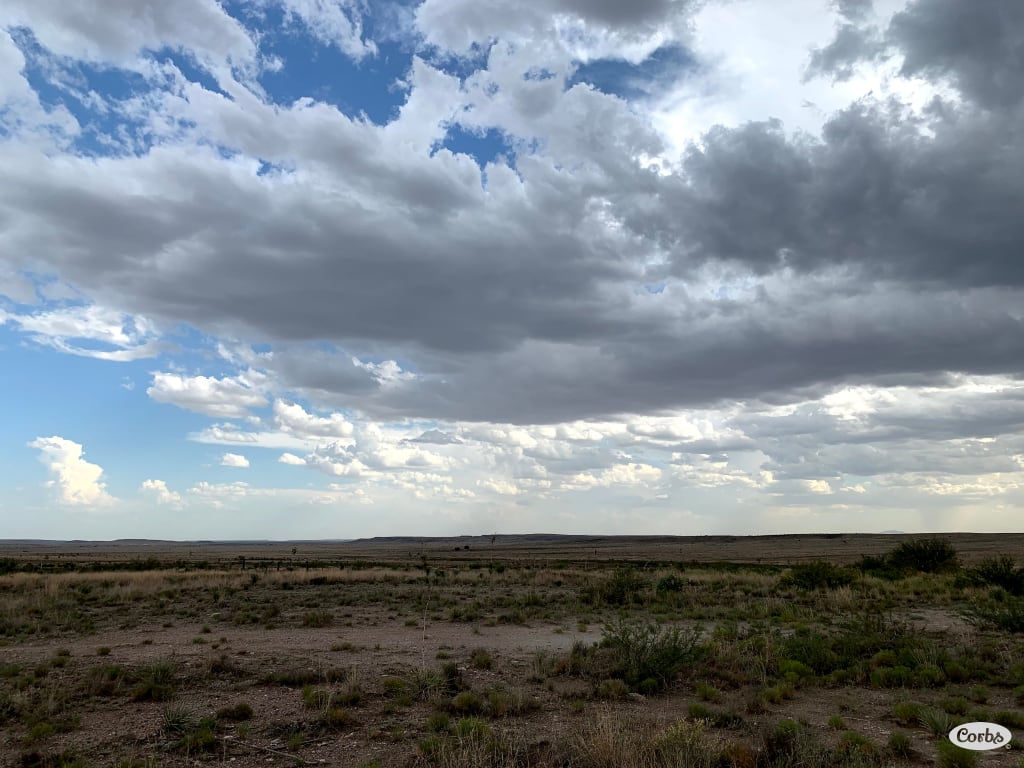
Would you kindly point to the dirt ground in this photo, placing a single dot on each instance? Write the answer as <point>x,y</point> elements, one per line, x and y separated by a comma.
<point>502,618</point>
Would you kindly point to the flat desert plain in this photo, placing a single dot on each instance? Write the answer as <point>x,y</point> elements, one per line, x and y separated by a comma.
<point>591,652</point>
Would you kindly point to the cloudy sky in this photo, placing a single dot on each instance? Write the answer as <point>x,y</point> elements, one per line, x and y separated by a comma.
<point>333,268</point>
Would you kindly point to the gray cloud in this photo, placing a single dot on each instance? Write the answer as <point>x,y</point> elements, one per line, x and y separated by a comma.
<point>889,247</point>
<point>851,45</point>
<point>877,194</point>
<point>979,46</point>
<point>436,437</point>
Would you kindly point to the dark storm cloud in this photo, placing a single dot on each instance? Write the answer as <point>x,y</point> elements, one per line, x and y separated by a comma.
<point>889,247</point>
<point>851,44</point>
<point>880,193</point>
<point>978,46</point>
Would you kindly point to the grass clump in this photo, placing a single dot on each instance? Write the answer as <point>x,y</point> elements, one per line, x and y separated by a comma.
<point>481,658</point>
<point>467,703</point>
<point>425,684</point>
<point>317,619</point>
<point>907,712</point>
<point>1006,614</point>
<point>900,745</point>
<point>238,713</point>
<point>935,721</point>
<point>187,732</point>
<point>952,756</point>
<point>155,682</point>
<point>647,651</point>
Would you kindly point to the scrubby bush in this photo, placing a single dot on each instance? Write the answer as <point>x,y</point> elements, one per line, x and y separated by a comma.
<point>668,584</point>
<point>155,682</point>
<point>925,555</point>
<point>641,651</point>
<point>952,756</point>
<point>900,744</point>
<point>624,587</point>
<point>818,575</point>
<point>999,571</point>
<point>1006,614</point>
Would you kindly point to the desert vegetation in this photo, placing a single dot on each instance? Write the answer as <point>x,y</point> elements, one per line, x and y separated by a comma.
<point>423,658</point>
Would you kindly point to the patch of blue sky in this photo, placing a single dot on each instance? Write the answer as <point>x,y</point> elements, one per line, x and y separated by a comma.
<point>482,146</point>
<point>108,102</point>
<point>89,402</point>
<point>460,66</point>
<point>630,81</point>
<point>313,69</point>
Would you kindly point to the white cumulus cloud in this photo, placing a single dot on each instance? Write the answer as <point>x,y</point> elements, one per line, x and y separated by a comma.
<point>78,481</point>
<point>234,460</point>
<point>230,397</point>
<point>159,489</point>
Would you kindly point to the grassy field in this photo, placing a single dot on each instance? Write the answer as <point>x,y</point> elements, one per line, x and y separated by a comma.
<point>589,652</point>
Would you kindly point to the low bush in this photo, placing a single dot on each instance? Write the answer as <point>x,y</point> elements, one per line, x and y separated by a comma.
<point>925,555</point>
<point>155,682</point>
<point>641,651</point>
<point>1006,614</point>
<point>952,756</point>
<point>817,575</point>
<point>1001,572</point>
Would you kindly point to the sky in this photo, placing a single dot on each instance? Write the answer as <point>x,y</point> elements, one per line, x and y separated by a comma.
<point>296,269</point>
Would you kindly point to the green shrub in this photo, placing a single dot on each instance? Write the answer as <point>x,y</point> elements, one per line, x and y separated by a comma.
<point>935,721</point>
<point>317,619</point>
<point>856,749</point>
<point>900,744</point>
<point>622,588</point>
<point>467,703</point>
<point>926,555</point>
<point>177,721</point>
<point>789,745</point>
<point>817,575</point>
<point>646,650</point>
<point>438,722</point>
<point>952,756</point>
<point>239,712</point>
<point>716,718</point>
<point>155,682</point>
<point>907,712</point>
<point>425,684</point>
<point>668,584</point>
<point>892,677</point>
<point>336,718</point>
<point>954,705</point>
<point>707,692</point>
<point>880,568</point>
<point>481,658</point>
<point>471,727</point>
<point>1000,572</point>
<point>315,698</point>
<point>796,672</point>
<point>1007,615</point>
<point>613,689</point>
<point>1009,719</point>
